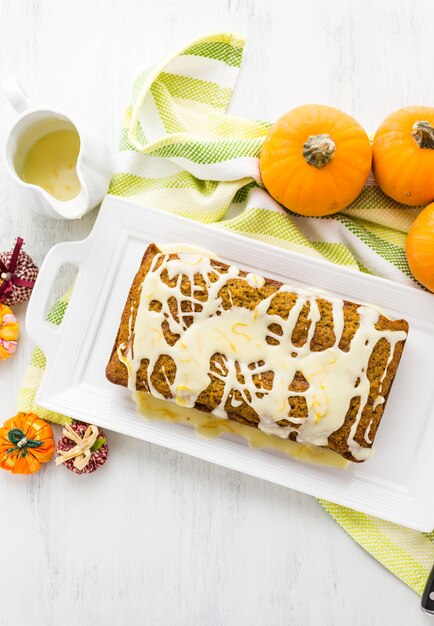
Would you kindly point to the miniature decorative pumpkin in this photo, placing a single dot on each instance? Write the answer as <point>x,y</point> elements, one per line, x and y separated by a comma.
<point>315,160</point>
<point>403,152</point>
<point>9,332</point>
<point>420,247</point>
<point>17,275</point>
<point>26,441</point>
<point>83,448</point>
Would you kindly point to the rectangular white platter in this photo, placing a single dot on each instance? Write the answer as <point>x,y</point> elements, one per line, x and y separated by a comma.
<point>395,484</point>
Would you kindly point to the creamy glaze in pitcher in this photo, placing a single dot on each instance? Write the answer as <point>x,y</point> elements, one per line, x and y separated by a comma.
<point>63,167</point>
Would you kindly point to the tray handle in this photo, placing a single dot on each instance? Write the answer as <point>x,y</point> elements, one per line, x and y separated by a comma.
<point>44,334</point>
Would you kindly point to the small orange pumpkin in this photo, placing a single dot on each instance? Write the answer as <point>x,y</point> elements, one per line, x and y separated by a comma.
<point>420,247</point>
<point>26,441</point>
<point>403,152</point>
<point>9,332</point>
<point>315,160</point>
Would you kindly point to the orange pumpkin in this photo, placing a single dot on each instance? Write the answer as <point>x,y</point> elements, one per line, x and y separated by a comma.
<point>9,332</point>
<point>420,247</point>
<point>403,152</point>
<point>315,160</point>
<point>26,441</point>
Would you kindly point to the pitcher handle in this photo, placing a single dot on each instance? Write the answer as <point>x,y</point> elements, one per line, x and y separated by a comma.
<point>16,95</point>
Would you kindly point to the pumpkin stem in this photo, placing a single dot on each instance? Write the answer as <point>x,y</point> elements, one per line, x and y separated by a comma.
<point>423,134</point>
<point>319,150</point>
<point>17,437</point>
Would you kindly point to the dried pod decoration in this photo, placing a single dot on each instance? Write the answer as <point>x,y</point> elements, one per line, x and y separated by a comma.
<point>9,332</point>
<point>83,448</point>
<point>26,441</point>
<point>17,275</point>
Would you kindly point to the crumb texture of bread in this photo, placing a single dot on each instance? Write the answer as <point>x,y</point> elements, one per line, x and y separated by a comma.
<point>321,327</point>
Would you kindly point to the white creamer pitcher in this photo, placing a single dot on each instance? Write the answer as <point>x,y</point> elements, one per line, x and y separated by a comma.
<point>92,163</point>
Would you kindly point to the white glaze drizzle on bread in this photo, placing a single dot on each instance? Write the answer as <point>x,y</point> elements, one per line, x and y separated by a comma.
<point>240,334</point>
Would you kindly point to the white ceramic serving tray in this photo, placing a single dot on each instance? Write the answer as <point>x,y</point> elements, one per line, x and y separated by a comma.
<point>395,484</point>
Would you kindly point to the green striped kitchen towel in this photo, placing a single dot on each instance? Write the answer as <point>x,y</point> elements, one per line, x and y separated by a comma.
<point>181,152</point>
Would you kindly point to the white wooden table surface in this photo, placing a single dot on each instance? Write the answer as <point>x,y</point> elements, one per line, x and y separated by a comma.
<point>158,538</point>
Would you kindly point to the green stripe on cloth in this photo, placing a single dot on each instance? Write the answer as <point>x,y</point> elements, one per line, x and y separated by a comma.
<point>394,237</point>
<point>257,220</point>
<point>172,116</point>
<point>383,248</point>
<point>125,144</point>
<point>243,193</point>
<point>57,312</point>
<point>336,253</point>
<point>218,50</point>
<point>129,184</point>
<point>390,544</point>
<point>373,205</point>
<point>35,371</point>
<point>167,110</point>
<point>140,81</point>
<point>195,89</point>
<point>210,151</point>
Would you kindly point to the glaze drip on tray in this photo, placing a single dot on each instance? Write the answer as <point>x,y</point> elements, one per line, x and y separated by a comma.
<point>182,315</point>
<point>210,427</point>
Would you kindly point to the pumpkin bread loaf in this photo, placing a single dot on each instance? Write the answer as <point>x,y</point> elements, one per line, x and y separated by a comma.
<point>313,339</point>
